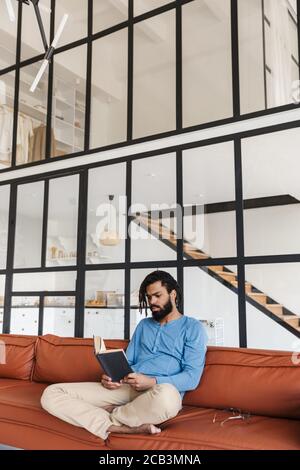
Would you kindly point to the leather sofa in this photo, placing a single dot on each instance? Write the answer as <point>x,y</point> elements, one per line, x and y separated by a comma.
<point>258,390</point>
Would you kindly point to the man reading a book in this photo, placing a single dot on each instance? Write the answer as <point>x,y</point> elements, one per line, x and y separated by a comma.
<point>166,353</point>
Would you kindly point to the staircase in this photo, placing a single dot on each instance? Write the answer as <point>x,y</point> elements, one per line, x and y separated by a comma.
<point>254,296</point>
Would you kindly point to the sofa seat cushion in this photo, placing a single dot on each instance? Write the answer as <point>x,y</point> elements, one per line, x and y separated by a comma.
<point>24,424</point>
<point>193,429</point>
<point>8,383</point>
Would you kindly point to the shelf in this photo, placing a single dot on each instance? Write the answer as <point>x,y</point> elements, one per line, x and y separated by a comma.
<point>45,306</point>
<point>93,260</point>
<point>25,306</point>
<point>109,308</point>
<point>62,262</point>
<point>62,121</point>
<point>73,306</point>
<point>29,110</point>
<point>79,110</point>
<point>61,100</point>
<point>59,141</point>
<point>59,306</point>
<point>105,308</point>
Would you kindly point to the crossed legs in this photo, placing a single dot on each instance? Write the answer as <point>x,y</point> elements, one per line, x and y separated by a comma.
<point>101,411</point>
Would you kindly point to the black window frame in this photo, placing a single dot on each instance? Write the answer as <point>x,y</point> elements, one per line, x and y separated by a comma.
<point>240,260</point>
<point>129,25</point>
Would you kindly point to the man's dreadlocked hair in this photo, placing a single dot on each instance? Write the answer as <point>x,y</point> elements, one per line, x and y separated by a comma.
<point>166,280</point>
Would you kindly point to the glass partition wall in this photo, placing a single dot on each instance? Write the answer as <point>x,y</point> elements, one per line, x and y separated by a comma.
<point>220,216</point>
<point>135,70</point>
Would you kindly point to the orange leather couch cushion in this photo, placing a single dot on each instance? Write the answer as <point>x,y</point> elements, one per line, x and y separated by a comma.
<point>19,356</point>
<point>257,381</point>
<point>194,429</point>
<point>68,359</point>
<point>24,424</point>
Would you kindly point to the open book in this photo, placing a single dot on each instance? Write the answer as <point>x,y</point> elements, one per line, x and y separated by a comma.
<point>113,361</point>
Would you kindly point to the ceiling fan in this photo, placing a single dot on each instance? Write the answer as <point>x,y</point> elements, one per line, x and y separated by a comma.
<point>48,49</point>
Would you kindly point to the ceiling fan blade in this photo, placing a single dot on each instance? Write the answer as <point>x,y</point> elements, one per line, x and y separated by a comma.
<point>10,10</point>
<point>52,47</point>
<point>44,8</point>
<point>60,30</point>
<point>39,75</point>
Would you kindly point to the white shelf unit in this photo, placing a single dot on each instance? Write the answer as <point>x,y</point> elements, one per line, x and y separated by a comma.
<point>68,253</point>
<point>68,111</point>
<point>61,251</point>
<point>68,117</point>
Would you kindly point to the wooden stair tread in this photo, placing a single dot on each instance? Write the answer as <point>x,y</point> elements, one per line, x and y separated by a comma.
<point>294,322</point>
<point>246,283</point>
<point>199,255</point>
<point>216,268</point>
<point>189,247</point>
<point>290,317</point>
<point>225,273</point>
<point>258,294</point>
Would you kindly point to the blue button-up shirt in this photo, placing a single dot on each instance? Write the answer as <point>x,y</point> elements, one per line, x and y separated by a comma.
<point>172,353</point>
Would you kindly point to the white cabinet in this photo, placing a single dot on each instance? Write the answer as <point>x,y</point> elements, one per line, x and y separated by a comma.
<point>108,323</point>
<point>24,321</point>
<point>59,321</point>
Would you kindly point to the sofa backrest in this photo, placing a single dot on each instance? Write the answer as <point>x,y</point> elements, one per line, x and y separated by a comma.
<point>17,356</point>
<point>68,359</point>
<point>257,381</point>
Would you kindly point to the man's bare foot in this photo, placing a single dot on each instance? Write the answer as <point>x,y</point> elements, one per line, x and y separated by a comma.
<point>143,429</point>
<point>109,408</point>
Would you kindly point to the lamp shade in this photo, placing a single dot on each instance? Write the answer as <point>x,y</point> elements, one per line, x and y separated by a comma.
<point>109,238</point>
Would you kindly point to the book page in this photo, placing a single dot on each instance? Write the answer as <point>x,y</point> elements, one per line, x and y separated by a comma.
<point>99,344</point>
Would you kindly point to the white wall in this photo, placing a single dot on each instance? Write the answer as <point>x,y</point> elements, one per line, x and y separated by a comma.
<point>264,333</point>
<point>279,281</point>
<point>207,299</point>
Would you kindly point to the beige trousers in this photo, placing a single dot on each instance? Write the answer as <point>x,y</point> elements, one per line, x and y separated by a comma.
<point>81,404</point>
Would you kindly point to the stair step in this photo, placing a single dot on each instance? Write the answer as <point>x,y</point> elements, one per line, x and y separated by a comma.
<point>248,286</point>
<point>227,276</point>
<point>197,255</point>
<point>258,297</point>
<point>277,309</point>
<point>292,320</point>
<point>193,252</point>
<point>216,268</point>
<point>188,247</point>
